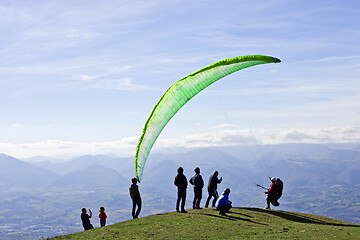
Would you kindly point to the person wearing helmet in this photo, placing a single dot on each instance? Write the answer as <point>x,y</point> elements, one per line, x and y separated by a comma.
<point>198,183</point>
<point>223,204</point>
<point>271,194</point>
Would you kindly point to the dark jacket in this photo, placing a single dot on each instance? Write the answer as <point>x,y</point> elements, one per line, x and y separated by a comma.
<point>197,181</point>
<point>181,181</point>
<point>85,219</point>
<point>134,191</point>
<point>213,182</point>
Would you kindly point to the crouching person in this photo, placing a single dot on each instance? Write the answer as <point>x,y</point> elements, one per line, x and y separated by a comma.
<point>223,204</point>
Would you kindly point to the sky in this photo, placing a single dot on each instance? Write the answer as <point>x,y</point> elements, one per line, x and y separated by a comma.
<point>81,77</point>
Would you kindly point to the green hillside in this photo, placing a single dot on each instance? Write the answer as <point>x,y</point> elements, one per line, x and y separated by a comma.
<point>240,223</point>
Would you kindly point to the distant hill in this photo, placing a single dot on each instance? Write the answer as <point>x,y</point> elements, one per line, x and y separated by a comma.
<point>295,162</point>
<point>91,178</point>
<point>240,223</point>
<point>16,173</point>
<point>123,165</point>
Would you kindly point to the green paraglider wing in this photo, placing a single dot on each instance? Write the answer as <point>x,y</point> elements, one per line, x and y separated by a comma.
<point>181,92</point>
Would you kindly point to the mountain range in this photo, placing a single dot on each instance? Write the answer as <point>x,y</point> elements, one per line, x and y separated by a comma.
<point>44,198</point>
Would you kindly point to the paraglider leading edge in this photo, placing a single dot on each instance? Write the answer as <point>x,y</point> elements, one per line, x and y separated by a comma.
<point>180,92</point>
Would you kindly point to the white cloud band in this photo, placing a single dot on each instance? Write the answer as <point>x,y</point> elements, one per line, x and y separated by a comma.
<point>231,137</point>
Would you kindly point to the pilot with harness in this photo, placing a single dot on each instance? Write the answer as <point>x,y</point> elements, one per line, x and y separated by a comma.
<point>274,192</point>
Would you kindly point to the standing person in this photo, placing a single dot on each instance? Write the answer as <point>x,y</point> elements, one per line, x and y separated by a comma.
<point>223,205</point>
<point>85,218</point>
<point>198,183</point>
<point>212,188</point>
<point>274,192</point>
<point>135,196</point>
<point>102,217</point>
<point>181,183</point>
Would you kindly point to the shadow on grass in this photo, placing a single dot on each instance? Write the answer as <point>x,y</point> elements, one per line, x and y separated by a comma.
<point>241,214</point>
<point>232,218</point>
<point>296,218</point>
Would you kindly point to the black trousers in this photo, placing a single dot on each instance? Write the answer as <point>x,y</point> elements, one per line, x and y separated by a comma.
<point>273,200</point>
<point>197,197</point>
<point>88,226</point>
<point>181,195</point>
<point>224,208</point>
<point>136,202</point>
<point>212,193</point>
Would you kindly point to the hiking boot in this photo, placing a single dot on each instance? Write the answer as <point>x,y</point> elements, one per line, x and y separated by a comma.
<point>267,208</point>
<point>183,211</point>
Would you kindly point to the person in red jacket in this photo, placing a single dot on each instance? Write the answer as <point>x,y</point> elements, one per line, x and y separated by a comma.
<point>102,216</point>
<point>271,194</point>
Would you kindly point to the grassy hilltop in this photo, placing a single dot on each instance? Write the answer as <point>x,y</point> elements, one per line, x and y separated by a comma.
<point>240,223</point>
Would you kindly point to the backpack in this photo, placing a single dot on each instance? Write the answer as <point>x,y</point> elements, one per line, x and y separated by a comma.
<point>279,188</point>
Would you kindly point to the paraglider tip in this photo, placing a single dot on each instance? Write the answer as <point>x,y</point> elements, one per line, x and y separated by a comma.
<point>276,60</point>
<point>137,178</point>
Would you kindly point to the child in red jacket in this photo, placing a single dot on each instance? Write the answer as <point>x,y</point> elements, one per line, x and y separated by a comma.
<point>102,216</point>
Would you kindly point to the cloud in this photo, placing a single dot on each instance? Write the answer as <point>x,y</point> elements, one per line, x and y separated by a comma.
<point>109,79</point>
<point>349,134</point>
<point>246,137</point>
<point>124,147</point>
<point>125,84</point>
<point>338,58</point>
<point>85,77</point>
<point>226,126</point>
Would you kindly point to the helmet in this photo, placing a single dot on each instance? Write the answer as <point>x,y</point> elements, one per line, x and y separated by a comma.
<point>273,179</point>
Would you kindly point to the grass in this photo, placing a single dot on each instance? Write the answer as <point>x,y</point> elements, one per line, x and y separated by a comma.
<point>240,223</point>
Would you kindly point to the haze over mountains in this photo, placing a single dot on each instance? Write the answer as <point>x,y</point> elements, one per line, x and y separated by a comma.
<point>44,198</point>
<point>16,173</point>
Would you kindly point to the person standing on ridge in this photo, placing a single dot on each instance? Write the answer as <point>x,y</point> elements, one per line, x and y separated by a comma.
<point>212,188</point>
<point>85,218</point>
<point>135,197</point>
<point>274,192</point>
<point>102,217</point>
<point>181,183</point>
<point>198,183</point>
<point>223,205</point>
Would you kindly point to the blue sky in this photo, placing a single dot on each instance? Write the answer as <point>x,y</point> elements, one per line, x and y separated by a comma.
<point>79,77</point>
